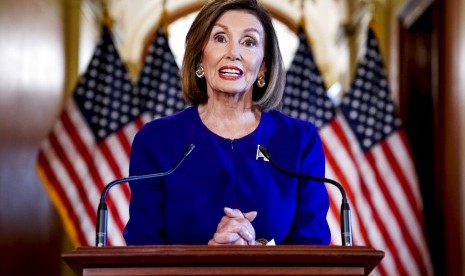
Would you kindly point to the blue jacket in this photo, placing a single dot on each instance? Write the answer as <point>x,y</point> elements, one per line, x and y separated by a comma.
<point>186,206</point>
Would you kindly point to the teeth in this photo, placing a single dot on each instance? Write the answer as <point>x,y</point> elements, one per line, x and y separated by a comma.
<point>230,71</point>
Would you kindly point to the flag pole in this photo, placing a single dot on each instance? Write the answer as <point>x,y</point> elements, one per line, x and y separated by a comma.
<point>302,22</point>
<point>164,18</point>
<point>107,20</point>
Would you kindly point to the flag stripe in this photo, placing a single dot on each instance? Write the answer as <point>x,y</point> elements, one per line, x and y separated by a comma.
<point>363,205</point>
<point>116,195</point>
<point>338,174</point>
<point>119,193</point>
<point>88,146</point>
<point>69,192</point>
<point>390,187</point>
<point>85,153</point>
<point>69,171</point>
<point>404,157</point>
<point>333,215</point>
<point>398,269</point>
<point>350,176</point>
<point>397,202</point>
<point>401,174</point>
<point>93,173</point>
<point>124,137</point>
<point>391,218</point>
<point>361,155</point>
<point>88,192</point>
<point>60,200</point>
<point>109,158</point>
<point>117,153</point>
<point>401,181</point>
<point>346,172</point>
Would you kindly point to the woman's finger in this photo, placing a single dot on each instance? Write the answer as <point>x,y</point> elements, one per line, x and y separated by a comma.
<point>241,226</point>
<point>250,216</point>
<point>233,213</point>
<point>226,238</point>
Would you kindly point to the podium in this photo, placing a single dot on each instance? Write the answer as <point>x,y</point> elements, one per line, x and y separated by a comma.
<point>224,260</point>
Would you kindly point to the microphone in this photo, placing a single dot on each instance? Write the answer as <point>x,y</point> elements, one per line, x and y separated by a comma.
<point>102,211</point>
<point>346,228</point>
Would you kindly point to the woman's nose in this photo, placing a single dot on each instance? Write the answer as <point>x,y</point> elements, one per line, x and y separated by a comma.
<point>234,52</point>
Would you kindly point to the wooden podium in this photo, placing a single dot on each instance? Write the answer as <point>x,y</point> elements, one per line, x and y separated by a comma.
<point>224,260</point>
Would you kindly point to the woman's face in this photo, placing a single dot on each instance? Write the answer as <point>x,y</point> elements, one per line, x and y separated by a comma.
<point>233,56</point>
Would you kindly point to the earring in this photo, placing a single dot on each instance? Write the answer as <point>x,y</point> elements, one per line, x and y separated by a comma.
<point>261,81</point>
<point>199,72</point>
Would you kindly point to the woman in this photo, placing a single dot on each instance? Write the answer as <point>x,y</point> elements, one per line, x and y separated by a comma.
<point>225,192</point>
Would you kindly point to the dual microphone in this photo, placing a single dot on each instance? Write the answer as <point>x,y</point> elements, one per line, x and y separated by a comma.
<point>102,211</point>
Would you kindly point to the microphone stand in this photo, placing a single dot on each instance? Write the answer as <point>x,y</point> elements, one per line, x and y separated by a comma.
<point>346,228</point>
<point>102,211</point>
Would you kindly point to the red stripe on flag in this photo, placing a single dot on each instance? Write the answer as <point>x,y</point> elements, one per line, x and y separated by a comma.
<point>405,183</point>
<point>113,166</point>
<point>139,122</point>
<point>392,204</point>
<point>126,146</point>
<point>110,159</point>
<point>56,186</point>
<point>401,221</point>
<point>340,176</point>
<point>117,216</point>
<point>76,181</point>
<point>385,234</point>
<point>412,246</point>
<point>90,164</point>
<point>401,134</point>
<point>334,166</point>
<point>402,180</point>
<point>337,129</point>
<point>341,135</point>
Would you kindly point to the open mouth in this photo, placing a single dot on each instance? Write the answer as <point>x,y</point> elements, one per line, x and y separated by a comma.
<point>231,72</point>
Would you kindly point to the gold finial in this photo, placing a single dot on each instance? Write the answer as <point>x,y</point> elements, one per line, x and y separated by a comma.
<point>372,5</point>
<point>107,20</point>
<point>164,17</point>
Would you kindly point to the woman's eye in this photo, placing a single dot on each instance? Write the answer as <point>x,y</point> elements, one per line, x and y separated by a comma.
<point>220,38</point>
<point>250,42</point>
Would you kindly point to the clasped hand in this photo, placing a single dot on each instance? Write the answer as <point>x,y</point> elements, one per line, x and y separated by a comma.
<point>235,228</point>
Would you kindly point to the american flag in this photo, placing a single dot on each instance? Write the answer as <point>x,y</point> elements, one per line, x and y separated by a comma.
<point>159,82</point>
<point>305,98</point>
<point>360,169</point>
<point>385,162</point>
<point>89,144</point>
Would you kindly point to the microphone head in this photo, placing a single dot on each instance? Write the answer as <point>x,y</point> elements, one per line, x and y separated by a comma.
<point>189,150</point>
<point>265,152</point>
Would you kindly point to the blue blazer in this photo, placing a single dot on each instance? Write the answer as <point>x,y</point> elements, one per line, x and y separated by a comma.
<point>186,206</point>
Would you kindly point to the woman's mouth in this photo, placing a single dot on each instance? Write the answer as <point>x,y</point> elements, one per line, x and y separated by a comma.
<point>230,72</point>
